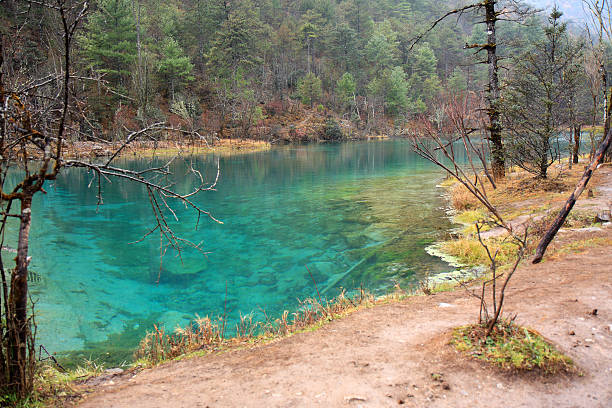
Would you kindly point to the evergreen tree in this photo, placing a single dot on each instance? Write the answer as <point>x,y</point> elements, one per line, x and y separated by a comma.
<point>396,99</point>
<point>344,46</point>
<point>174,66</point>
<point>309,89</point>
<point>381,49</point>
<point>345,89</point>
<point>424,81</point>
<point>110,42</point>
<point>538,95</point>
<point>235,44</point>
<point>457,82</point>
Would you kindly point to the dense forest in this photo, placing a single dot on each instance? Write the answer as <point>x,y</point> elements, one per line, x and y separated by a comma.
<point>279,70</point>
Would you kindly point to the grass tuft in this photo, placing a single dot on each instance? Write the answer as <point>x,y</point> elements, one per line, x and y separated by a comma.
<point>205,334</point>
<point>511,347</point>
<point>469,251</point>
<point>461,198</point>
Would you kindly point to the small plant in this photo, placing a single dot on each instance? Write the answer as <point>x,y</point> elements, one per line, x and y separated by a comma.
<point>511,347</point>
<point>332,131</point>
<point>474,176</point>
<point>205,333</point>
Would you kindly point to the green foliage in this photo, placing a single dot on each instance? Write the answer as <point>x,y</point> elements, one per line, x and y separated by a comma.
<point>142,48</point>
<point>457,82</point>
<point>344,45</point>
<point>345,89</point>
<point>332,131</point>
<point>396,98</point>
<point>235,46</point>
<point>110,41</point>
<point>424,82</point>
<point>512,347</point>
<point>309,89</point>
<point>174,65</point>
<point>381,50</point>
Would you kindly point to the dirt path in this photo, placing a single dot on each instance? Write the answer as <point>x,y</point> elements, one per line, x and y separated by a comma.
<point>384,356</point>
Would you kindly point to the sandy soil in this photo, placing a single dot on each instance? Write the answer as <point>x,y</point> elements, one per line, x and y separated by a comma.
<point>385,356</point>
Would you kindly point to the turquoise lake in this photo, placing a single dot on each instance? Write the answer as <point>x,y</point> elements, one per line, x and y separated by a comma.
<point>330,207</point>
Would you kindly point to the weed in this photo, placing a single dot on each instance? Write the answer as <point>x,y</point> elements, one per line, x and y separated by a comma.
<point>511,347</point>
<point>205,334</point>
<point>462,199</point>
<point>470,252</point>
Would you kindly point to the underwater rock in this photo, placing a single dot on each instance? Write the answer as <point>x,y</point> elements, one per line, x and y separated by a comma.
<point>173,319</point>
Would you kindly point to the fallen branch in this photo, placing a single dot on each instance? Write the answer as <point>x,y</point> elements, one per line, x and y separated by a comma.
<point>569,204</point>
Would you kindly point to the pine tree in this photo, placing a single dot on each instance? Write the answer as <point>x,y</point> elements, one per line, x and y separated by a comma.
<point>174,66</point>
<point>536,101</point>
<point>309,89</point>
<point>235,45</point>
<point>110,42</point>
<point>396,99</point>
<point>345,89</point>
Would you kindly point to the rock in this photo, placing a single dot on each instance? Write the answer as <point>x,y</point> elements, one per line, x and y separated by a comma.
<point>603,216</point>
<point>446,305</point>
<point>113,371</point>
<point>354,398</point>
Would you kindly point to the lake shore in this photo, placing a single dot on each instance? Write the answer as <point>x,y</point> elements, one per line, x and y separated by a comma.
<point>164,148</point>
<point>385,355</point>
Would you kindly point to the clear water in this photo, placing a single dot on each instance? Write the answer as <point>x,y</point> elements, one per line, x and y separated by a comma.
<point>330,207</point>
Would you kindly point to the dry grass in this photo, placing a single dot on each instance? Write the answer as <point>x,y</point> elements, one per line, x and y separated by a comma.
<point>469,251</point>
<point>462,199</point>
<point>519,187</point>
<point>518,194</point>
<point>166,148</point>
<point>581,245</point>
<point>206,334</point>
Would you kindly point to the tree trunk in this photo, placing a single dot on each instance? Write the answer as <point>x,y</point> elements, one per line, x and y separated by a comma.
<point>544,157</point>
<point>19,329</point>
<point>498,164</point>
<point>576,143</point>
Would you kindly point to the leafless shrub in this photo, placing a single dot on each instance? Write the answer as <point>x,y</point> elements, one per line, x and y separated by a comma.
<point>452,148</point>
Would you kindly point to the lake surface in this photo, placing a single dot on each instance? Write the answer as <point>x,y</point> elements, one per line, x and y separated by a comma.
<point>330,207</point>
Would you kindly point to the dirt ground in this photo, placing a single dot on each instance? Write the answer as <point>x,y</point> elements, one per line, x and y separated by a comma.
<point>385,356</point>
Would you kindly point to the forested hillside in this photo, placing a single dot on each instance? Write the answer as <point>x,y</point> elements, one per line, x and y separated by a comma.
<point>268,69</point>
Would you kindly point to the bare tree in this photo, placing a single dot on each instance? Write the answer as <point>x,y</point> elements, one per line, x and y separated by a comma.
<point>37,112</point>
<point>592,62</point>
<point>445,148</point>
<point>599,29</point>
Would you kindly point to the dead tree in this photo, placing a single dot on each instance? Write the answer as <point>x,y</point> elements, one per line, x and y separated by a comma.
<point>600,13</point>
<point>492,11</point>
<point>36,115</point>
<point>604,147</point>
<point>439,147</point>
